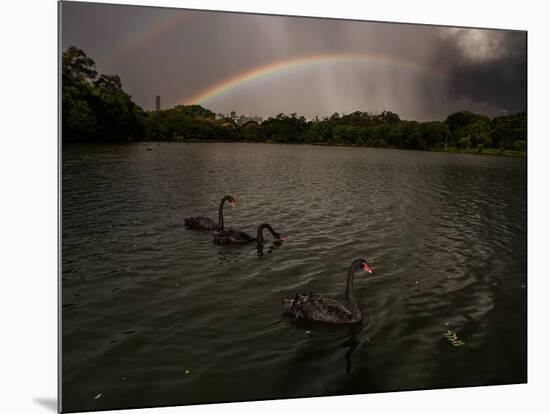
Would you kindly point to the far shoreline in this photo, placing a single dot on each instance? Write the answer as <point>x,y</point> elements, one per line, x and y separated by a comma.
<point>450,150</point>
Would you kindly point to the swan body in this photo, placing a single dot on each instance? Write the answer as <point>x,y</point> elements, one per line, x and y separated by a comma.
<point>201,223</point>
<point>315,307</point>
<point>205,223</point>
<point>231,236</point>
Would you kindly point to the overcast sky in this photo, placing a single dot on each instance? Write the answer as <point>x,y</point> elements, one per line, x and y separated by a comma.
<point>420,72</point>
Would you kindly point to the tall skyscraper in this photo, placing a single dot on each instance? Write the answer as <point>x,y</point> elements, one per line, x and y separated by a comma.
<point>157,103</point>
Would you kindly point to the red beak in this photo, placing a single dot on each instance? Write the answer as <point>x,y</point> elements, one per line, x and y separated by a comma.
<point>366,268</point>
<point>233,203</point>
<point>282,237</point>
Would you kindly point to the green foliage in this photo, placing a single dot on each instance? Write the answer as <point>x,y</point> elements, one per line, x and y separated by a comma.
<point>96,108</point>
<point>520,145</point>
<point>431,133</point>
<point>77,68</point>
<point>251,132</point>
<point>452,337</point>
<point>346,134</point>
<point>478,132</point>
<point>188,123</point>
<point>464,143</point>
<point>505,130</point>
<point>457,120</point>
<point>284,128</point>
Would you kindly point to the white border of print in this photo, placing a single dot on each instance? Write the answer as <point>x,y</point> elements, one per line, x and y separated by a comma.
<point>28,174</point>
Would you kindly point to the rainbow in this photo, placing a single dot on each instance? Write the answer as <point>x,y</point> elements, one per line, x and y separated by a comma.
<point>281,66</point>
<point>135,38</point>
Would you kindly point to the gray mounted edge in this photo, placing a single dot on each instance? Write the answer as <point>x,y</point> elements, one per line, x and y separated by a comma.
<point>59,161</point>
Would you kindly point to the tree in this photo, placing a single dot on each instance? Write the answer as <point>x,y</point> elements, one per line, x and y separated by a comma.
<point>464,143</point>
<point>119,117</point>
<point>505,130</point>
<point>95,108</point>
<point>478,131</point>
<point>434,134</point>
<point>520,145</point>
<point>79,121</point>
<point>459,120</point>
<point>77,67</point>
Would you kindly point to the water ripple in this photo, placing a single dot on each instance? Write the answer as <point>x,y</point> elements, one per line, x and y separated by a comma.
<point>154,314</point>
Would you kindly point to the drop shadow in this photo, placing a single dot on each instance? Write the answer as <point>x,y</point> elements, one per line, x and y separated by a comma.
<point>48,403</point>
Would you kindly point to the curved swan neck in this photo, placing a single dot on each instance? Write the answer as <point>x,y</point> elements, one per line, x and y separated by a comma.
<point>220,212</point>
<point>352,303</point>
<point>260,234</point>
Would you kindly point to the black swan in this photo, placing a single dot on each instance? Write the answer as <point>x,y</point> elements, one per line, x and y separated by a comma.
<point>240,237</point>
<point>316,307</point>
<point>204,223</point>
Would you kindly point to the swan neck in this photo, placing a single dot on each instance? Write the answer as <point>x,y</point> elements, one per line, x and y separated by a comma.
<point>352,303</point>
<point>260,234</point>
<point>220,214</point>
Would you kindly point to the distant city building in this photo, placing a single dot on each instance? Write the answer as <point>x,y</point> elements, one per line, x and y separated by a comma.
<point>157,103</point>
<point>242,119</point>
<point>220,116</point>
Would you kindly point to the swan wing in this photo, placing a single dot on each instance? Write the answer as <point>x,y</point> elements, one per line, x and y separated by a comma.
<point>331,309</point>
<point>241,236</point>
<point>200,222</point>
<point>317,308</point>
<point>233,237</point>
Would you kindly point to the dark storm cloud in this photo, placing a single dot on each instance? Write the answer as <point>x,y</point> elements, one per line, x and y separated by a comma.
<point>490,68</point>
<point>178,54</point>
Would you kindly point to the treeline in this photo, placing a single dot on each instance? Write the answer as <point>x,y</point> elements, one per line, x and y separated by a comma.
<point>96,109</point>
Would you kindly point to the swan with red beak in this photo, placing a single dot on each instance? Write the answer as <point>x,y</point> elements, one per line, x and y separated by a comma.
<point>205,223</point>
<point>315,307</point>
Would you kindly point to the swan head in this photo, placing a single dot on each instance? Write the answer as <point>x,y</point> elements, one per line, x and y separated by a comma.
<point>281,236</point>
<point>232,202</point>
<point>365,266</point>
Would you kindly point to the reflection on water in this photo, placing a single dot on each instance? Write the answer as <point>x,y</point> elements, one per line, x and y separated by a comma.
<point>154,314</point>
<point>261,248</point>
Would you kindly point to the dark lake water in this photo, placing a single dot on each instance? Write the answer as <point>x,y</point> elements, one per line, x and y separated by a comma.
<point>154,314</point>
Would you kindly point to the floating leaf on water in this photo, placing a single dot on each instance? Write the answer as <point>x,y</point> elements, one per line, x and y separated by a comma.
<point>97,397</point>
<point>453,338</point>
<point>308,332</point>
